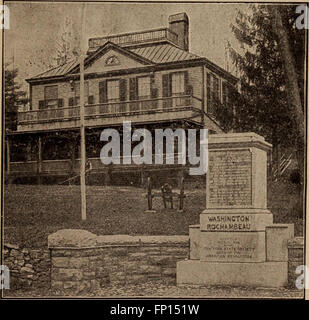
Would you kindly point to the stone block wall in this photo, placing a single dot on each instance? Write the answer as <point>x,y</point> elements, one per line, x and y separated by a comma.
<point>296,258</point>
<point>29,268</point>
<point>80,262</point>
<point>83,262</point>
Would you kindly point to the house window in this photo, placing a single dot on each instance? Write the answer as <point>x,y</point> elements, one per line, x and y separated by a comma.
<point>215,88</point>
<point>51,96</point>
<point>213,91</point>
<point>77,92</point>
<point>178,83</point>
<point>144,88</point>
<point>113,93</point>
<point>225,93</point>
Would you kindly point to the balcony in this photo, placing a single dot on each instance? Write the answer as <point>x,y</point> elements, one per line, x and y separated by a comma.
<point>135,38</point>
<point>114,113</point>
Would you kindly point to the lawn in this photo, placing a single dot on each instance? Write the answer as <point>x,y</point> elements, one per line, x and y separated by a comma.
<point>32,212</point>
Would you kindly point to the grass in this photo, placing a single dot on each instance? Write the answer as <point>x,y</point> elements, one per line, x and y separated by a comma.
<point>32,212</point>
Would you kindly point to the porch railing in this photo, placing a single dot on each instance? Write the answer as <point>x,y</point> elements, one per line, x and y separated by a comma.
<point>112,109</point>
<point>65,166</point>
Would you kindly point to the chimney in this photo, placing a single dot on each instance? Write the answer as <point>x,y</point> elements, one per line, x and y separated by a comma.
<point>179,24</point>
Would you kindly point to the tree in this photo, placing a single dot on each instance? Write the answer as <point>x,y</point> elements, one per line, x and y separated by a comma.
<point>266,104</point>
<point>292,83</point>
<point>14,98</point>
<point>224,112</point>
<point>66,46</point>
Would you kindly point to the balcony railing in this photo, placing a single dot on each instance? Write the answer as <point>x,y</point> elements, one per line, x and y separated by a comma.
<point>112,109</point>
<point>135,37</point>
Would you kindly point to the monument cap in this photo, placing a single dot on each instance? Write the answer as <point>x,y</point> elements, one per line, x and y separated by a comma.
<point>234,140</point>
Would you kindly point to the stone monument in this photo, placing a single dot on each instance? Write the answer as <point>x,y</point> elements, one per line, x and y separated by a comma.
<point>236,242</point>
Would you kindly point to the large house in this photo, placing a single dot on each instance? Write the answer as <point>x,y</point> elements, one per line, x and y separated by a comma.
<point>149,78</point>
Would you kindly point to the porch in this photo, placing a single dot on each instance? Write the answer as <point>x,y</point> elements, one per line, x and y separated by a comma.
<point>115,113</point>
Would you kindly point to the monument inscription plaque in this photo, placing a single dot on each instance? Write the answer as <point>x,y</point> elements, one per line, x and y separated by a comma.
<point>229,178</point>
<point>232,247</point>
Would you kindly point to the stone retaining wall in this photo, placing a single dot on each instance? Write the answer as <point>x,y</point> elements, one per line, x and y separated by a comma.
<point>296,258</point>
<point>78,261</point>
<point>29,268</point>
<point>83,262</point>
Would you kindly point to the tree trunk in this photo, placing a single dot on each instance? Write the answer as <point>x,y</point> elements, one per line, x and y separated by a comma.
<point>293,91</point>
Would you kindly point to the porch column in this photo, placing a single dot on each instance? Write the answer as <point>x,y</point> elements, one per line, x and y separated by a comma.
<point>181,174</point>
<point>143,175</point>
<point>72,154</point>
<point>39,160</point>
<point>107,175</point>
<point>28,150</point>
<point>8,161</point>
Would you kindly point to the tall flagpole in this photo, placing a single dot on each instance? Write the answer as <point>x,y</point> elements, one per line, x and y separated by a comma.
<point>82,120</point>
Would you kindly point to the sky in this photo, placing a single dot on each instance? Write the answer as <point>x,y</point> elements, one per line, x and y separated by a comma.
<point>35,28</point>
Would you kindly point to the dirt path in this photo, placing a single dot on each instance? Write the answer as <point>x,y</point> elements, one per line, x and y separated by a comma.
<point>158,289</point>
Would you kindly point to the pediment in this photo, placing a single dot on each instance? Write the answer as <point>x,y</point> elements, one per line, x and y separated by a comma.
<point>113,59</point>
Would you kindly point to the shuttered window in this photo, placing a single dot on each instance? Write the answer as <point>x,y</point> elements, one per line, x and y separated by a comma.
<point>51,96</point>
<point>178,83</point>
<point>90,99</point>
<point>208,87</point>
<point>51,92</point>
<point>216,89</point>
<point>113,92</point>
<point>144,87</point>
<point>77,89</point>
<point>175,83</point>
<point>225,93</point>
<point>103,91</point>
<point>123,89</point>
<point>42,104</point>
<point>133,89</point>
<point>77,93</point>
<point>213,91</point>
<point>167,85</point>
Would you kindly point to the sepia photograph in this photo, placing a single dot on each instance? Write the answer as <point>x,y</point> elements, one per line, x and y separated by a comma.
<point>154,150</point>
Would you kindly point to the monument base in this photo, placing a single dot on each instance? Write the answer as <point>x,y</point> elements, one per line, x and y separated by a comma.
<point>260,274</point>
<point>236,242</point>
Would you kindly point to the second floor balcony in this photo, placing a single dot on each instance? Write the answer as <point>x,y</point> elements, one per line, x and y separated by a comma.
<point>113,113</point>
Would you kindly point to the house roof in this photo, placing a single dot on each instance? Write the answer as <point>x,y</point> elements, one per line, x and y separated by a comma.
<point>153,54</point>
<point>57,71</point>
<point>163,53</point>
